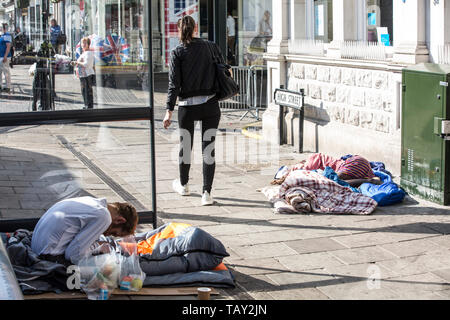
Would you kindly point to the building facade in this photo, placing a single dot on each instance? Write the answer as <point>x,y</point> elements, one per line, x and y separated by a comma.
<point>348,56</point>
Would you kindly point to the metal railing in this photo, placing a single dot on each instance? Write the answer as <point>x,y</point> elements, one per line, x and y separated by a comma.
<point>252,97</point>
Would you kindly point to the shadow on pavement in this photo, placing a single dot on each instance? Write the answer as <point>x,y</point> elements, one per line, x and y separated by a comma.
<point>413,228</point>
<point>254,284</point>
<point>31,182</point>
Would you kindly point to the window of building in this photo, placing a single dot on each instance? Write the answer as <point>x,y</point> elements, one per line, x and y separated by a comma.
<point>311,26</point>
<point>253,30</point>
<point>323,20</point>
<point>379,15</point>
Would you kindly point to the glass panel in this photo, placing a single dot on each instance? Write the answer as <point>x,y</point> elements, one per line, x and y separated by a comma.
<point>323,20</point>
<point>41,165</point>
<point>379,21</point>
<point>253,20</point>
<point>112,69</point>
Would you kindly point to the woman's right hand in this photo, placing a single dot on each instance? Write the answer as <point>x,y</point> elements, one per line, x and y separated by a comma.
<point>167,119</point>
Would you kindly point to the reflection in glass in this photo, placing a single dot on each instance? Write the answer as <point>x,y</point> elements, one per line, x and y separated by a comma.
<point>42,165</point>
<point>45,76</point>
<point>255,29</point>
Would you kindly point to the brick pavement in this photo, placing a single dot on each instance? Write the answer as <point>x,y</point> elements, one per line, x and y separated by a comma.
<point>399,252</point>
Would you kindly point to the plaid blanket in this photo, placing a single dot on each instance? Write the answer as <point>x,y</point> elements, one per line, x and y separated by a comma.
<point>307,191</point>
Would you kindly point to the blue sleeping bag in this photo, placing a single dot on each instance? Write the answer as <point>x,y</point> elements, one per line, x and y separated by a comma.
<point>332,175</point>
<point>388,193</point>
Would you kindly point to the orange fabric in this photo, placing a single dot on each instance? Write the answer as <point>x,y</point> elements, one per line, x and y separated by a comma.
<point>171,231</point>
<point>220,267</point>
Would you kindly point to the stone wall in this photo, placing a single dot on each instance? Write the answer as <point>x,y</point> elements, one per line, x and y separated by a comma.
<point>348,110</point>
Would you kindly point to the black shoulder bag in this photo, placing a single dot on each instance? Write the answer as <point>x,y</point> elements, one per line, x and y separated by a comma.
<point>225,85</point>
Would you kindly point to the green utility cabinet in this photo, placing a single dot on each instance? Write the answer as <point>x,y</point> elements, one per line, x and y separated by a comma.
<point>425,170</point>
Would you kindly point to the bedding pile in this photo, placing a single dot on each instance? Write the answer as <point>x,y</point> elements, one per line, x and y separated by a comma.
<point>305,191</point>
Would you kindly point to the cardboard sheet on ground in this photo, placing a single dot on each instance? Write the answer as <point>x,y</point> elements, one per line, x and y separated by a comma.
<point>143,292</point>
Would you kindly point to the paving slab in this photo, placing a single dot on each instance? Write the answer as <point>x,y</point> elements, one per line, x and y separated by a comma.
<point>443,241</point>
<point>443,273</point>
<point>416,286</point>
<point>362,255</point>
<point>378,238</point>
<point>315,245</point>
<point>257,266</point>
<point>309,261</point>
<point>360,272</point>
<point>359,290</point>
<point>265,250</point>
<point>298,294</point>
<point>315,278</point>
<point>418,264</point>
<point>412,247</point>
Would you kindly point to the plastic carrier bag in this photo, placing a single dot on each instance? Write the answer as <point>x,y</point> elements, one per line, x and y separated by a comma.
<point>131,275</point>
<point>99,274</point>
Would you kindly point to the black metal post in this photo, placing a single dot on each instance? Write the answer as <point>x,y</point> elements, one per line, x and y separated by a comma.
<point>281,125</point>
<point>210,6</point>
<point>301,121</point>
<point>63,22</point>
<point>220,25</point>
<point>281,111</point>
<point>152,112</point>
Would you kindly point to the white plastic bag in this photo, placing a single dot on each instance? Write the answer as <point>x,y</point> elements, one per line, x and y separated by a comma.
<point>100,274</point>
<point>32,70</point>
<point>131,275</point>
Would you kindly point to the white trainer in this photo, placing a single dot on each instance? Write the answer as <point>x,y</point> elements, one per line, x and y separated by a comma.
<point>178,188</point>
<point>207,200</point>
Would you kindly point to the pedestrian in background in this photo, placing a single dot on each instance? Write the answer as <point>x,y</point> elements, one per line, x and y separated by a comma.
<point>192,79</point>
<point>86,73</point>
<point>5,58</point>
<point>55,32</point>
<point>20,40</point>
<point>231,38</point>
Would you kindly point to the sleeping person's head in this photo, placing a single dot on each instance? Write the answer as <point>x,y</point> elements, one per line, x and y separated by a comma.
<point>124,219</point>
<point>355,167</point>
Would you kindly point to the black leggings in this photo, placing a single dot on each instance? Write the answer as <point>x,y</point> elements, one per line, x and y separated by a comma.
<point>209,115</point>
<point>87,92</point>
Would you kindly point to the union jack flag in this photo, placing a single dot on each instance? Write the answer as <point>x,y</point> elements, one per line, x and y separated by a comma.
<point>174,10</point>
<point>116,50</point>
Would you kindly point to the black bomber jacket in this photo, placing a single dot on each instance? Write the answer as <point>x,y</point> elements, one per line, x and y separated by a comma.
<point>192,71</point>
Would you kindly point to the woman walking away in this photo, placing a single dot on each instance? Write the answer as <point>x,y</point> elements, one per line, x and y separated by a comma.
<point>192,79</point>
<point>86,73</point>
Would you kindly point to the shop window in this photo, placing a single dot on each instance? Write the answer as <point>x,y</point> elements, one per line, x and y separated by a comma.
<point>253,19</point>
<point>311,26</point>
<point>323,20</point>
<point>379,21</point>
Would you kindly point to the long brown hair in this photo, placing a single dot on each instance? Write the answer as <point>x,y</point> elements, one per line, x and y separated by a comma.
<point>187,27</point>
